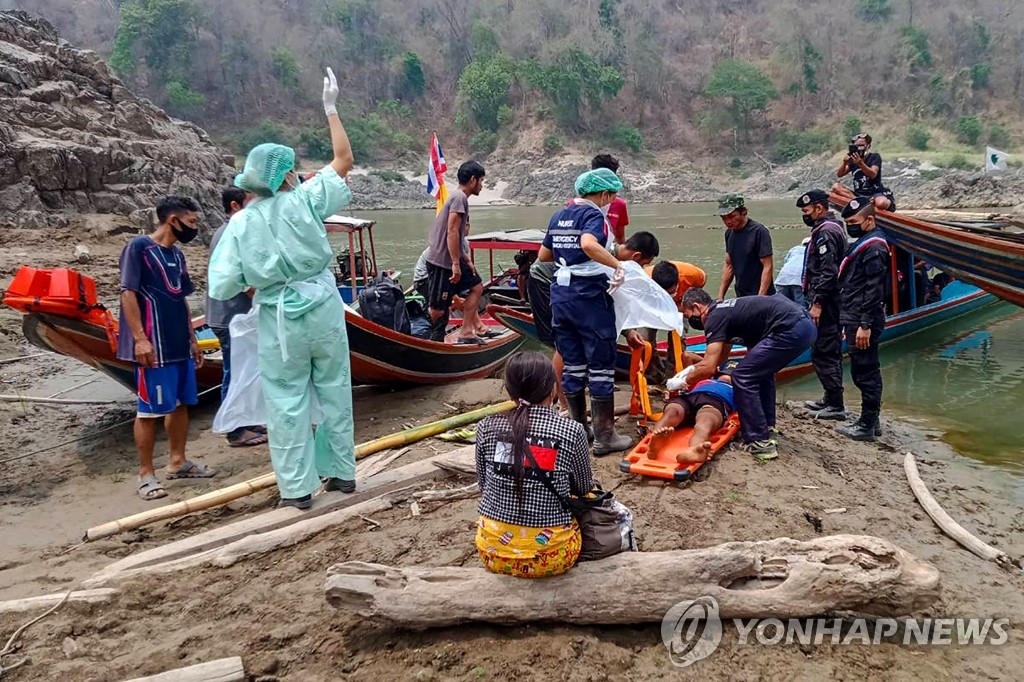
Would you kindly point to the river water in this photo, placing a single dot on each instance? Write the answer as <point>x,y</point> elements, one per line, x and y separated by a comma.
<point>964,379</point>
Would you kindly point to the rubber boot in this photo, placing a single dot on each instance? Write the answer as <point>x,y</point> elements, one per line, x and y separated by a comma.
<point>578,411</point>
<point>437,328</point>
<point>606,440</point>
<point>816,405</point>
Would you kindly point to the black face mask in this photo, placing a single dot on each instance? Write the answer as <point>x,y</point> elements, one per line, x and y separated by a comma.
<point>183,233</point>
<point>695,322</point>
<point>855,231</point>
<point>809,221</point>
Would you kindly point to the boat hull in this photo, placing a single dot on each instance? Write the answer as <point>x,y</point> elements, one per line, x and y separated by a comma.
<point>378,354</point>
<point>959,299</point>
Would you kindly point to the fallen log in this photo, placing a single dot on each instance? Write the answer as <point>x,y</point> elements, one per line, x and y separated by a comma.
<point>383,483</point>
<point>379,464</point>
<point>47,600</point>
<point>945,522</point>
<point>463,493</point>
<point>222,670</point>
<point>233,492</point>
<point>780,578</point>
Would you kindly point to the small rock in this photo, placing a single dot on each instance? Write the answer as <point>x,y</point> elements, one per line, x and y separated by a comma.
<point>82,254</point>
<point>70,647</point>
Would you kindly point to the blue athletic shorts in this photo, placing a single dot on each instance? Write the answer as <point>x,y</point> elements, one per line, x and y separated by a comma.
<point>162,389</point>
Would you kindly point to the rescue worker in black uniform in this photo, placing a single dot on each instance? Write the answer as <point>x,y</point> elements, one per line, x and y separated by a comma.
<point>863,276</point>
<point>821,290</point>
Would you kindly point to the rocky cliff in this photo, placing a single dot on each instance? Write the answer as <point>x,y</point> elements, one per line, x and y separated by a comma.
<point>74,139</point>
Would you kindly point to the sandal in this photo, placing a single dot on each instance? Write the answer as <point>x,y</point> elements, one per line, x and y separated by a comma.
<point>150,488</point>
<point>192,469</point>
<point>247,438</point>
<point>470,341</point>
<point>489,334</point>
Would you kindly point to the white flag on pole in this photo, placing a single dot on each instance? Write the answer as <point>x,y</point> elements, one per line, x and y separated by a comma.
<point>995,160</point>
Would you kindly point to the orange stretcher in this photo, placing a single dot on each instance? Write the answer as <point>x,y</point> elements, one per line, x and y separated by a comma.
<point>666,447</point>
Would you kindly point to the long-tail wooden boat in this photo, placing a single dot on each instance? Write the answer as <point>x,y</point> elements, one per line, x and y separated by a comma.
<point>988,258</point>
<point>958,298</point>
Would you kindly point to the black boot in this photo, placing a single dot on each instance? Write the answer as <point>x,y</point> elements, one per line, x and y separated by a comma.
<point>438,328</point>
<point>577,403</point>
<point>816,405</point>
<point>864,429</point>
<point>606,440</point>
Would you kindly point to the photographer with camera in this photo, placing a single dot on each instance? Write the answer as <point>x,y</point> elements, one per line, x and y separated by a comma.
<point>866,167</point>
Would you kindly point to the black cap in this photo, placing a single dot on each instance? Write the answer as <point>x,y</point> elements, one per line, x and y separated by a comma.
<point>856,205</point>
<point>815,196</point>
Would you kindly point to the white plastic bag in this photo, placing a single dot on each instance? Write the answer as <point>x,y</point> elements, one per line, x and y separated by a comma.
<point>640,302</point>
<point>244,404</point>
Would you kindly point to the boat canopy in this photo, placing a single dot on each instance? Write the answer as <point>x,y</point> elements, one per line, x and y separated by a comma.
<point>506,240</point>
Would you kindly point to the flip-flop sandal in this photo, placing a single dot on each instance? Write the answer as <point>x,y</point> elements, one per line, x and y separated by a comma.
<point>470,341</point>
<point>247,438</point>
<point>186,471</point>
<point>151,489</point>
<point>489,334</point>
<point>259,428</point>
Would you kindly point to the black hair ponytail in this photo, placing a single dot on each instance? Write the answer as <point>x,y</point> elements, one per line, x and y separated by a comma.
<point>529,380</point>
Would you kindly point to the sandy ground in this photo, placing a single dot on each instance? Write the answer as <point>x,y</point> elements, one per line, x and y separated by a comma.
<point>271,610</point>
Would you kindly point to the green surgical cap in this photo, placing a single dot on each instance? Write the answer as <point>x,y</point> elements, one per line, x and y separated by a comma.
<point>599,180</point>
<point>265,168</point>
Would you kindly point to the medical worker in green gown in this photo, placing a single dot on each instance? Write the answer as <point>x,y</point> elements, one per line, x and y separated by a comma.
<point>278,246</point>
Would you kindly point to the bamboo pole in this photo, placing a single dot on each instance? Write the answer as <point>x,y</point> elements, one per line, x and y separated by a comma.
<point>51,401</point>
<point>233,492</point>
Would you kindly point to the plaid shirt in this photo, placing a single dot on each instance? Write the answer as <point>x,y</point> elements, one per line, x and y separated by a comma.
<point>558,444</point>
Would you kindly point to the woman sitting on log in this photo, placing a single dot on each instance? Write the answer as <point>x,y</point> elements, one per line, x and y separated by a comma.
<point>524,530</point>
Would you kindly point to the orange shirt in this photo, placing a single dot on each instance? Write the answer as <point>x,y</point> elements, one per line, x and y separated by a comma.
<point>689,276</point>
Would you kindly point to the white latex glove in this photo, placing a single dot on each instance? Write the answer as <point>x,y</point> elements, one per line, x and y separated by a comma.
<point>330,93</point>
<point>617,279</point>
<point>680,381</point>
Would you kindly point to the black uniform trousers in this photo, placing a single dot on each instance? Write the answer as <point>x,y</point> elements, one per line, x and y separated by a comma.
<point>827,353</point>
<point>866,371</point>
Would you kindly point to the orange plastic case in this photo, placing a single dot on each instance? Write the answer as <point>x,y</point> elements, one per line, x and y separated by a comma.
<point>664,464</point>
<point>60,291</point>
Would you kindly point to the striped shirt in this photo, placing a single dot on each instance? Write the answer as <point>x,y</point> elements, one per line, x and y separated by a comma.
<point>160,280</point>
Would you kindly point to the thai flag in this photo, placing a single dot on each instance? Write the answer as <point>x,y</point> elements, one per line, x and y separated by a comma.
<point>436,169</point>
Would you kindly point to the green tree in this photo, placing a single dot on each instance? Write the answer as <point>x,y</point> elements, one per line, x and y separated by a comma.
<point>484,86</point>
<point>571,79</point>
<point>411,82</point>
<point>999,136</point>
<point>916,48</point>
<point>980,75</point>
<point>162,31</point>
<point>968,130</point>
<point>483,41</point>
<point>182,100</point>
<point>851,126</point>
<point>793,145</point>
<point>745,87</point>
<point>874,10</point>
<point>285,68</point>
<point>918,137</point>
<point>810,62</point>
<point>607,14</point>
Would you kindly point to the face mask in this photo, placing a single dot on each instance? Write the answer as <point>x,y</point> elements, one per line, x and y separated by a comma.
<point>183,233</point>
<point>855,231</point>
<point>695,322</point>
<point>809,221</point>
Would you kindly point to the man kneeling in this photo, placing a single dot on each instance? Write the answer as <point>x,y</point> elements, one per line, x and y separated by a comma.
<point>705,407</point>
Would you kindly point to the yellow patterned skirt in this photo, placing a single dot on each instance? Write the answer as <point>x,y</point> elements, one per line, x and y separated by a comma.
<point>526,552</point>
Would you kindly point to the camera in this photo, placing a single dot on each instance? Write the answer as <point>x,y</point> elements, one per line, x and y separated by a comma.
<point>854,149</point>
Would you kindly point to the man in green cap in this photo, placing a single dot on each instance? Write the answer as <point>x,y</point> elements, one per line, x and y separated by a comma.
<point>582,312</point>
<point>748,251</point>
<point>278,246</point>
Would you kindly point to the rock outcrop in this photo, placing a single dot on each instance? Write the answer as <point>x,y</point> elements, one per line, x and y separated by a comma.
<point>74,139</point>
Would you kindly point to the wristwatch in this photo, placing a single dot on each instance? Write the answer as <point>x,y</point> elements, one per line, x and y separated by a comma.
<point>865,327</point>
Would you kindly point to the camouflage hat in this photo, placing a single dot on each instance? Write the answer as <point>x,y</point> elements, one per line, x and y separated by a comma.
<point>729,203</point>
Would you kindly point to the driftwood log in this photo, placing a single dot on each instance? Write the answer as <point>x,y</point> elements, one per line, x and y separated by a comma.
<point>781,578</point>
<point>221,670</point>
<point>48,600</point>
<point>945,522</point>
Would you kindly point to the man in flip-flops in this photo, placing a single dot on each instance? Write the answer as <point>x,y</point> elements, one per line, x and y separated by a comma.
<point>156,334</point>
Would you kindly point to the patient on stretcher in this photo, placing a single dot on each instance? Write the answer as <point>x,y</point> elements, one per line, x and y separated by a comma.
<point>705,407</point>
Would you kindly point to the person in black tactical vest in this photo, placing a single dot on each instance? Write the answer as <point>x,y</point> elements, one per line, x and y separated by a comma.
<point>821,290</point>
<point>863,275</point>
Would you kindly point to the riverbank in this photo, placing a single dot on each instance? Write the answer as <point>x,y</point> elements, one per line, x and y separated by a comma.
<point>271,610</point>
<point>917,184</point>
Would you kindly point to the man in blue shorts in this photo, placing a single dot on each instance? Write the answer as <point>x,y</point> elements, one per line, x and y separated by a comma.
<point>156,334</point>
<point>705,407</point>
